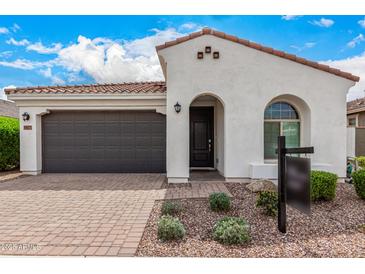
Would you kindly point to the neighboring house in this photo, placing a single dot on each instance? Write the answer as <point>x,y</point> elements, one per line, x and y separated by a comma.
<point>8,109</point>
<point>223,105</point>
<point>356,128</point>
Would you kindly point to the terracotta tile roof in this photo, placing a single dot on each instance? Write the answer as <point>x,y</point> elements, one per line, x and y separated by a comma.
<point>8,109</point>
<point>356,105</point>
<point>208,31</point>
<point>138,87</point>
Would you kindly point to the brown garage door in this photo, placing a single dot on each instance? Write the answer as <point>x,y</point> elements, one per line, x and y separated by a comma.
<point>104,141</point>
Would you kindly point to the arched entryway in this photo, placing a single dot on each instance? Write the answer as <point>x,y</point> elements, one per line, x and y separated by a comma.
<point>206,138</point>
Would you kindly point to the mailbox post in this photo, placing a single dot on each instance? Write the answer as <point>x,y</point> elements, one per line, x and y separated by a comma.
<point>283,180</point>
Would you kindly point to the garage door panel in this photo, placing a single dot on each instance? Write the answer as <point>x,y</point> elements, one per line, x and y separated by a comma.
<point>104,141</point>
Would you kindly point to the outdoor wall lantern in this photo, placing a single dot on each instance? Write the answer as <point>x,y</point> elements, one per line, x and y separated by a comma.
<point>26,116</point>
<point>177,107</point>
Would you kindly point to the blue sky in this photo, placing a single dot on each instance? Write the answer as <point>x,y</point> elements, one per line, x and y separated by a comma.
<point>59,50</point>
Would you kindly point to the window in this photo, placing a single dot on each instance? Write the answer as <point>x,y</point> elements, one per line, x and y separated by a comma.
<point>352,121</point>
<point>280,119</point>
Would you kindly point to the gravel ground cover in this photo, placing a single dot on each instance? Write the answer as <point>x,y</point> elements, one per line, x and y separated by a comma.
<point>334,229</point>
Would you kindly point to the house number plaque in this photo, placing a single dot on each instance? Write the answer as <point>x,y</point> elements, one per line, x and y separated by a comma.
<point>27,127</point>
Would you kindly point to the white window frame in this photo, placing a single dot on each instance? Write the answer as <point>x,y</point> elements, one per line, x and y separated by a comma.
<point>273,160</point>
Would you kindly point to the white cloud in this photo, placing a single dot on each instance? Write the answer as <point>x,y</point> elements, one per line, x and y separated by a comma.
<point>6,54</point>
<point>362,23</point>
<point>2,92</point>
<point>307,45</point>
<point>102,59</point>
<point>190,26</point>
<point>106,60</point>
<point>37,47</point>
<point>23,64</point>
<point>3,30</point>
<point>14,42</point>
<point>48,74</point>
<point>15,27</point>
<point>290,17</point>
<point>356,66</point>
<point>40,48</point>
<point>323,22</point>
<point>357,40</point>
<point>310,44</point>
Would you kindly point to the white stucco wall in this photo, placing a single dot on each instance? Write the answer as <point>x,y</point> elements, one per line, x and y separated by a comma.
<point>246,80</point>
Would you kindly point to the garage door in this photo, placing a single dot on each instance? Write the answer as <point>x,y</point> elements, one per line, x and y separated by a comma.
<point>104,141</point>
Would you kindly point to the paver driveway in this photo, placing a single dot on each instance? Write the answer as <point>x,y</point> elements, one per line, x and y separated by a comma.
<point>76,214</point>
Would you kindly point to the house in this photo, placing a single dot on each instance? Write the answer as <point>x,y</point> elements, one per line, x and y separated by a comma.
<point>224,102</point>
<point>356,113</point>
<point>356,128</point>
<point>8,109</point>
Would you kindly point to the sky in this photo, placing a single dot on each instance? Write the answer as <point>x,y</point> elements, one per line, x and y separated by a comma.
<point>69,50</point>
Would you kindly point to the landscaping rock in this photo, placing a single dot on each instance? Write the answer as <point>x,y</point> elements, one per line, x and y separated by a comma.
<point>261,185</point>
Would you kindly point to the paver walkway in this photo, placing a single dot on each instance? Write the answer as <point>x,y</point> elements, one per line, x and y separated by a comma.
<point>78,214</point>
<point>84,214</point>
<point>195,190</point>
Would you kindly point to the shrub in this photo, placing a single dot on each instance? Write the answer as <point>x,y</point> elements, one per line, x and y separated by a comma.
<point>219,201</point>
<point>171,208</point>
<point>170,228</point>
<point>9,143</point>
<point>361,161</point>
<point>231,230</point>
<point>359,182</point>
<point>268,200</point>
<point>323,185</point>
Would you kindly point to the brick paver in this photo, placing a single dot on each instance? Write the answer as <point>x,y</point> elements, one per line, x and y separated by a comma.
<point>195,190</point>
<point>84,214</point>
<point>76,214</point>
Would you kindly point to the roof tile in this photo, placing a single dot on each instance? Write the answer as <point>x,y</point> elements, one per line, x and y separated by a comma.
<point>138,87</point>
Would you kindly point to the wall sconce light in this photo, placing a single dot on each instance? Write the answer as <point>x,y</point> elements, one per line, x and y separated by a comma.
<point>26,116</point>
<point>177,107</point>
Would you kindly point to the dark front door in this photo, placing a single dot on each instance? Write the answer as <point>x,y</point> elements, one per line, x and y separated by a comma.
<point>201,136</point>
<point>104,141</point>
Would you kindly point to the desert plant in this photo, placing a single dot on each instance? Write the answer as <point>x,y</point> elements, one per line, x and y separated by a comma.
<point>170,228</point>
<point>231,230</point>
<point>323,185</point>
<point>268,200</point>
<point>359,182</point>
<point>361,161</point>
<point>9,143</point>
<point>171,208</point>
<point>219,201</point>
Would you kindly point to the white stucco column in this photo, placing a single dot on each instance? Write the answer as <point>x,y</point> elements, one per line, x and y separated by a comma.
<point>177,158</point>
<point>31,140</point>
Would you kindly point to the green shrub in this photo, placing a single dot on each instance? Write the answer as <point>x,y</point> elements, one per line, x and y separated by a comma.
<point>268,200</point>
<point>323,185</point>
<point>9,143</point>
<point>361,161</point>
<point>170,228</point>
<point>219,201</point>
<point>171,208</point>
<point>359,182</point>
<point>231,230</point>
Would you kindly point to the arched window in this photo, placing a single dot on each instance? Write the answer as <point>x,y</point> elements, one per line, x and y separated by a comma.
<point>280,119</point>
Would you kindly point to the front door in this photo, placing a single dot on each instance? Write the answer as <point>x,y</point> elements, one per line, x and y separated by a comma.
<point>201,137</point>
